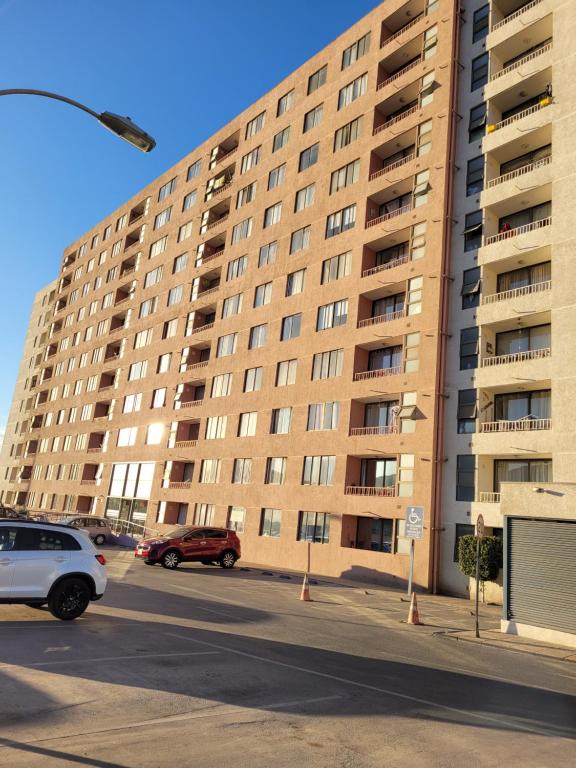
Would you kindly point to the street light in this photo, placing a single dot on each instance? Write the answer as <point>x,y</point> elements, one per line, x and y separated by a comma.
<point>121,126</point>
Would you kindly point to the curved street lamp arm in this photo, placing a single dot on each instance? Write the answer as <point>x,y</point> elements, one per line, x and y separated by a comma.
<point>49,95</point>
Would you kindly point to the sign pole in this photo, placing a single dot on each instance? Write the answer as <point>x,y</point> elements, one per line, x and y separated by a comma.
<point>413,529</point>
<point>411,572</point>
<point>479,535</point>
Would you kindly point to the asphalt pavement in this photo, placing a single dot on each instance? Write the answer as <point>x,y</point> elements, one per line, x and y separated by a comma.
<point>207,667</point>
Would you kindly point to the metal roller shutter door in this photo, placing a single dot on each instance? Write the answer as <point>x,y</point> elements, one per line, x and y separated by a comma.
<point>542,573</point>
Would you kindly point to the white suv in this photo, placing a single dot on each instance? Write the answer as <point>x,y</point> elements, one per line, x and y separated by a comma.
<point>45,563</point>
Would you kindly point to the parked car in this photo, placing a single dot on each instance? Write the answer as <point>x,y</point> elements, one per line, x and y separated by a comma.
<point>49,563</point>
<point>98,528</point>
<point>191,544</point>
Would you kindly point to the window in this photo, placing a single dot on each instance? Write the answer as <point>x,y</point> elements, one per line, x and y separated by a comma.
<point>250,160</point>
<point>193,170</point>
<point>164,363</point>
<point>347,134</point>
<point>185,231</point>
<point>475,176</point>
<point>203,514</point>
<point>270,522</point>
<point>247,424</point>
<point>427,85</point>
<point>300,239</point>
<point>170,328</point>
<point>154,434</point>
<point>314,527</point>
<point>252,379</point>
<point>461,529</point>
<point>290,327</point>
<point>336,267</point>
<point>421,188</point>
<point>226,345</point>
<point>275,470</point>
<point>332,315</point>
<point>468,348</point>
<point>285,103</point>
<point>175,295</point>
<point>143,338</point>
<point>295,282</point>
<point>318,79</point>
<point>189,200</point>
<point>241,231</point>
<point>473,231</point>
<point>477,122</point>
<point>137,370</point>
<point>162,218</point>
<point>430,42</point>
<point>280,421</point>
<point>424,141</point>
<point>210,471</point>
<point>323,416</point>
<point>467,411</point>
<point>237,267</point>
<point>127,437</point>
<point>258,336</point>
<point>465,486</point>
<point>246,195</point>
<point>286,373</point>
<point>304,197</point>
<point>232,305</point>
<point>153,277</point>
<point>345,176</point>
<point>521,471</point>
<point>263,295</point>
<point>272,215</point>
<point>470,288</point>
<point>318,470</point>
<point>308,157</point>
<point>523,277</point>
<point>480,23</point>
<point>341,221</point>
<point>215,427</point>
<point>242,471</point>
<point>479,76</point>
<point>267,254</point>
<point>236,519</point>
<point>352,91</point>
<point>159,246</point>
<point>221,385</point>
<point>255,125</point>
<point>276,176</point>
<point>313,118</point>
<point>132,403</point>
<point>327,365</point>
<point>158,398</point>
<point>356,51</point>
<point>280,139</point>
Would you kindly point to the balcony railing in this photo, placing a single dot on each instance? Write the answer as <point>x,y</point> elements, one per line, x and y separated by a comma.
<point>515,357</point>
<point>363,375</point>
<point>519,172</point>
<point>95,449</point>
<point>519,115</point>
<point>391,215</point>
<point>396,119</point>
<point>205,327</point>
<point>179,485</point>
<point>388,429</point>
<point>205,259</point>
<point>190,403</point>
<point>392,166</point>
<point>389,265</point>
<point>532,227</point>
<point>219,191</point>
<point>400,72</point>
<point>382,318</point>
<point>186,443</point>
<point>368,490</point>
<point>87,482</point>
<point>207,292</point>
<point>526,290</point>
<point>192,366</point>
<point>521,62</point>
<point>401,31</point>
<point>526,424</point>
<point>489,497</point>
<point>213,224</point>
<point>516,14</point>
<point>226,154</point>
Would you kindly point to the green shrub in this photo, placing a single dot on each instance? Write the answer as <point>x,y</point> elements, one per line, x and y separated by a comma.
<point>490,557</point>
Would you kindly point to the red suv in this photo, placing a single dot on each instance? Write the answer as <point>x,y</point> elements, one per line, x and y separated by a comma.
<point>190,544</point>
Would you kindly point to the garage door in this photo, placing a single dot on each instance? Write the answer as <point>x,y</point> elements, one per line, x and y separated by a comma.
<point>542,573</point>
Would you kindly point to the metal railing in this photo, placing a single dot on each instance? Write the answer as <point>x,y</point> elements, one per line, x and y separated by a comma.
<point>522,61</point>
<point>515,15</point>
<point>190,403</point>
<point>402,30</point>
<point>389,429</point>
<point>368,490</point>
<point>382,318</point>
<point>128,528</point>
<point>363,375</point>
<point>526,290</point>
<point>396,119</point>
<point>387,216</point>
<point>392,166</point>
<point>400,72</point>
<point>389,265</point>
<point>515,357</point>
<point>526,424</point>
<point>519,171</point>
<point>519,116</point>
<point>489,497</point>
<point>186,443</point>
<point>532,227</point>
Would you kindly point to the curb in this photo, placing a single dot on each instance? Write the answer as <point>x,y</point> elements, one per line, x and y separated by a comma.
<point>570,657</point>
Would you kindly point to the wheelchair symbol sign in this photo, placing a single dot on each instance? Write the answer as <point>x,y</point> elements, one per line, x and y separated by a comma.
<point>414,522</point>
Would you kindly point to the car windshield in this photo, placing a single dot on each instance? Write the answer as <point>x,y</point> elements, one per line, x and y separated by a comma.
<point>177,533</point>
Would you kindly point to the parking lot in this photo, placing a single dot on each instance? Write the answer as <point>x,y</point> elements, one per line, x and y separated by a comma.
<point>213,667</point>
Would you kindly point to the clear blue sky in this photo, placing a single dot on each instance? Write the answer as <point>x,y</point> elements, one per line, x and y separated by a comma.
<point>179,68</point>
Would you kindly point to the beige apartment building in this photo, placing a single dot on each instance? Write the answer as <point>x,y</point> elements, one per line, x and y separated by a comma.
<point>354,298</point>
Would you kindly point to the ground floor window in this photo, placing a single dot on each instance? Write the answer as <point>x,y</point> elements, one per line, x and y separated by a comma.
<point>271,522</point>
<point>314,527</point>
<point>236,519</point>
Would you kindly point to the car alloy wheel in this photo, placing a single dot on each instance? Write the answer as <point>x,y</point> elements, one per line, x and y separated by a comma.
<point>171,560</point>
<point>228,559</point>
<point>99,539</point>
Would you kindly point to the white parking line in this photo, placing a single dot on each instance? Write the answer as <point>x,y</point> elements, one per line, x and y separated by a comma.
<point>138,656</point>
<point>498,721</point>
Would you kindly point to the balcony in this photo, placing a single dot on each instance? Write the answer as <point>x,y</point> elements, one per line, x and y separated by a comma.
<point>512,240</point>
<point>516,231</point>
<point>515,357</point>
<point>529,300</point>
<point>135,237</point>
<point>387,121</point>
<point>527,120</point>
<point>210,250</point>
<point>96,442</point>
<point>215,216</point>
<point>102,409</point>
<point>378,373</point>
<point>382,318</point>
<point>536,53</point>
<point>512,17</point>
<point>128,266</point>
<point>526,424</point>
<point>125,293</point>
<point>387,429</point>
<point>358,490</point>
<point>224,150</point>
<point>220,182</point>
<point>139,210</point>
<point>407,21</point>
<point>107,380</point>
<point>388,167</point>
<point>113,351</point>
<point>399,211</point>
<point>533,174</point>
<point>118,322</point>
<point>527,290</point>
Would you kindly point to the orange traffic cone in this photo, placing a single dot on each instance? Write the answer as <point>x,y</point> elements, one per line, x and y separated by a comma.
<point>305,594</point>
<point>413,617</point>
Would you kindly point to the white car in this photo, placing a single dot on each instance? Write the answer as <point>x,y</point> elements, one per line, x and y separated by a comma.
<point>98,528</point>
<point>48,563</point>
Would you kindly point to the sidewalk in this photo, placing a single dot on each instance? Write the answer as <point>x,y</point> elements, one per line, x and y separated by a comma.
<point>497,639</point>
